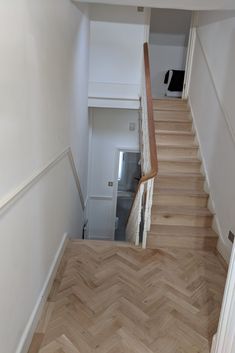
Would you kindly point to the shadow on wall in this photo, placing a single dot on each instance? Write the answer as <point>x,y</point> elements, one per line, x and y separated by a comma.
<point>211,17</point>
<point>116,14</point>
<point>170,27</point>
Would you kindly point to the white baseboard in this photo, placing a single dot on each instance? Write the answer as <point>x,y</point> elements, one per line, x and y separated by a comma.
<point>223,250</point>
<point>213,343</point>
<point>30,328</point>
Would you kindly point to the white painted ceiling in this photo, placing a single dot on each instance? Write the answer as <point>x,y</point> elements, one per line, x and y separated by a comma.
<point>172,4</point>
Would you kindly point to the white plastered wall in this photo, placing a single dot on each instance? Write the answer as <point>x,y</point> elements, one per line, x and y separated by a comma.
<point>212,102</point>
<point>116,52</point>
<point>43,111</point>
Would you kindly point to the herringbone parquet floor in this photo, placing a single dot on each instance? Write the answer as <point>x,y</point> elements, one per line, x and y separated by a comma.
<point>110,298</point>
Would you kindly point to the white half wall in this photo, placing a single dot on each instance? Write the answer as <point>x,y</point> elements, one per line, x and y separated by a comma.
<point>43,110</point>
<point>169,31</point>
<point>110,132</point>
<point>211,97</point>
<point>116,52</point>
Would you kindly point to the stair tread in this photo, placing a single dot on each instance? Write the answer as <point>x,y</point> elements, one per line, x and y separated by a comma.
<point>171,99</point>
<point>175,235</point>
<point>172,120</point>
<point>166,145</point>
<point>172,114</point>
<point>169,132</point>
<point>182,210</point>
<point>170,104</point>
<point>174,191</point>
<point>161,230</point>
<point>180,159</point>
<point>180,175</point>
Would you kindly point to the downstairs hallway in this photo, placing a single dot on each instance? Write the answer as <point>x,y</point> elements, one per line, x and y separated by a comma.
<point>112,297</point>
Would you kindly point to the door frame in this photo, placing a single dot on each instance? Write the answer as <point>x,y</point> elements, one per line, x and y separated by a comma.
<point>115,186</point>
<point>190,49</point>
<point>224,339</point>
<point>190,54</point>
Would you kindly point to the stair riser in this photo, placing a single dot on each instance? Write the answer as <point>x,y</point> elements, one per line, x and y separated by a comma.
<point>173,126</point>
<point>179,200</point>
<point>167,139</point>
<point>181,242</point>
<point>176,152</point>
<point>182,220</point>
<point>179,183</point>
<point>171,115</point>
<point>176,167</point>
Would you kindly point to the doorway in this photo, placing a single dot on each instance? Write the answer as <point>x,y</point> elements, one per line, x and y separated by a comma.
<point>129,174</point>
<point>168,43</point>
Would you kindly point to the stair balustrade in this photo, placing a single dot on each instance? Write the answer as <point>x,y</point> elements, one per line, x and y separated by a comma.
<point>142,204</point>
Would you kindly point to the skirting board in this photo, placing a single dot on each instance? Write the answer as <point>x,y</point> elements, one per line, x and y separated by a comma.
<point>221,247</point>
<point>214,340</point>
<point>28,333</point>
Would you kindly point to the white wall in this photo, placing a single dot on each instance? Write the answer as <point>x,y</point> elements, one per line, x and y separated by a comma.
<point>212,101</point>
<point>169,30</point>
<point>43,110</point>
<point>116,51</point>
<point>110,132</point>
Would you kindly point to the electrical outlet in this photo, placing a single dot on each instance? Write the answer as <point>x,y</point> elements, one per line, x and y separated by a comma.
<point>231,236</point>
<point>110,183</point>
<point>140,9</point>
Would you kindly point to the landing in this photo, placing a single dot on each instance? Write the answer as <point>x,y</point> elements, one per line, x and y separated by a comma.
<point>115,298</point>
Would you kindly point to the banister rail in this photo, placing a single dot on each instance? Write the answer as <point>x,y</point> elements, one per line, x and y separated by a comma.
<point>151,126</point>
<point>144,193</point>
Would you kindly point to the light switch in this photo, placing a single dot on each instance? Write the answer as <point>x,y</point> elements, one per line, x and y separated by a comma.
<point>131,126</point>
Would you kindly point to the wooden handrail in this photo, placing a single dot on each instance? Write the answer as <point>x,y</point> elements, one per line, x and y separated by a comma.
<point>151,127</point>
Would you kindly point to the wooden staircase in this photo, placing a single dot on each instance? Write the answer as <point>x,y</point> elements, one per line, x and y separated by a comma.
<point>180,217</point>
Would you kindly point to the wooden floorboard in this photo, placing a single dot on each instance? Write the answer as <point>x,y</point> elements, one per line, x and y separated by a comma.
<point>111,298</point>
